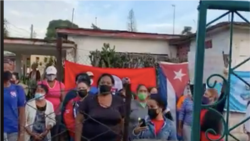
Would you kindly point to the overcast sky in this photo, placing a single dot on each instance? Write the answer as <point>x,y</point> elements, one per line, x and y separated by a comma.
<point>151,16</point>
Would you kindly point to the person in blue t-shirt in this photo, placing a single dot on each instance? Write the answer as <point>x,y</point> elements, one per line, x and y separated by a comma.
<point>14,109</point>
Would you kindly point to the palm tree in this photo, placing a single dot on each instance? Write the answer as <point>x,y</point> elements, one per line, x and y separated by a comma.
<point>187,30</point>
<point>6,33</point>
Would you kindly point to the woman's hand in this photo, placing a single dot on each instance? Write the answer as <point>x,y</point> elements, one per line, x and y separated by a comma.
<point>44,134</point>
<point>138,129</point>
<point>36,136</point>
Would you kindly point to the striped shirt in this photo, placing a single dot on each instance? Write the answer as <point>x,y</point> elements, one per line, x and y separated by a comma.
<point>186,112</point>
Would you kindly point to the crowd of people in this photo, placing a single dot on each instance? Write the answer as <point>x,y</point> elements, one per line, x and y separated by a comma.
<point>88,113</point>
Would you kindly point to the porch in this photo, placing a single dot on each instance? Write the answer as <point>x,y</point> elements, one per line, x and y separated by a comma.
<point>24,48</point>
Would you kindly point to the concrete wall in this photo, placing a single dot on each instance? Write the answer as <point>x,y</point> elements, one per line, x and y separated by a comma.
<point>221,42</point>
<point>87,44</point>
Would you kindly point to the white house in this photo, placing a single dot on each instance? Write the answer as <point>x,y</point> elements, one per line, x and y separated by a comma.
<point>218,39</point>
<point>90,40</point>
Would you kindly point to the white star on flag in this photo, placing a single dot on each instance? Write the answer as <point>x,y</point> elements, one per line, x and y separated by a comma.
<point>179,75</point>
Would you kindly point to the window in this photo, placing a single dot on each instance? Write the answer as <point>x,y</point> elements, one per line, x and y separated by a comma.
<point>208,44</point>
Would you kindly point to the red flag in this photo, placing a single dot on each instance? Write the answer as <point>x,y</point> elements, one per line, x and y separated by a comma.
<point>144,76</point>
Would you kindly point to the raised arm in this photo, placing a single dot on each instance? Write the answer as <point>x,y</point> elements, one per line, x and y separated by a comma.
<point>220,106</point>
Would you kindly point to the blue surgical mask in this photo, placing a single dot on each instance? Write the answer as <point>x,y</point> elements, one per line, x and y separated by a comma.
<point>39,96</point>
<point>205,100</point>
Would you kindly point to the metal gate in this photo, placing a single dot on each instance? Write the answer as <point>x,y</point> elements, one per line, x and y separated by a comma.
<point>233,8</point>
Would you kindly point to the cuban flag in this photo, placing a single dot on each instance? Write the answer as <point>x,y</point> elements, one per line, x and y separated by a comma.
<point>173,79</point>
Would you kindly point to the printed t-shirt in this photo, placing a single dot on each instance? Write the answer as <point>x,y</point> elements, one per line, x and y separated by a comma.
<point>54,94</point>
<point>14,98</point>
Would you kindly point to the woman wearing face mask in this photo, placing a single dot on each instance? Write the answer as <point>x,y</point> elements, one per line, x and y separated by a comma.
<point>209,116</point>
<point>157,126</point>
<point>139,108</point>
<point>55,95</point>
<point>71,107</point>
<point>104,113</point>
<point>185,116</point>
<point>40,116</point>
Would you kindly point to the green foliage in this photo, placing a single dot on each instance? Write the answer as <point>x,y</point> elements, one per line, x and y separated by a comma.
<point>187,30</point>
<point>51,29</point>
<point>109,58</point>
<point>93,26</point>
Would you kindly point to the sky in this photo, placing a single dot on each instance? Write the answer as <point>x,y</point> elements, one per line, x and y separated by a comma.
<point>151,16</point>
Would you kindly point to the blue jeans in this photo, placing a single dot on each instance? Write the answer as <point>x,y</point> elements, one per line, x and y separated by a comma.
<point>10,137</point>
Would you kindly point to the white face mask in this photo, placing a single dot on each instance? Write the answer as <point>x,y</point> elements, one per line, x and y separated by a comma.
<point>51,77</point>
<point>39,96</point>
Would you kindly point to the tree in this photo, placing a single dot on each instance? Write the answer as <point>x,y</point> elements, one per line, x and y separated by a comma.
<point>187,30</point>
<point>107,57</point>
<point>6,33</point>
<point>93,26</point>
<point>131,21</point>
<point>54,24</point>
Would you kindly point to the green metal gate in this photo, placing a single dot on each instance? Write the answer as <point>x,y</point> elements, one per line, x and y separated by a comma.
<point>233,8</point>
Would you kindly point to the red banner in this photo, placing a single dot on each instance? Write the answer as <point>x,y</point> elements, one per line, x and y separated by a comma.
<point>144,76</point>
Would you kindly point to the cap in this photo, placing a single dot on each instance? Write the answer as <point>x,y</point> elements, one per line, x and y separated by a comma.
<point>125,80</point>
<point>51,70</point>
<point>90,73</point>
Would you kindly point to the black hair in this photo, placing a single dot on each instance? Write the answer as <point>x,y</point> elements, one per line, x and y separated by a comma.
<point>43,86</point>
<point>169,116</point>
<point>150,88</point>
<point>211,117</point>
<point>82,76</point>
<point>16,75</point>
<point>84,81</point>
<point>139,86</point>
<point>159,100</point>
<point>108,75</point>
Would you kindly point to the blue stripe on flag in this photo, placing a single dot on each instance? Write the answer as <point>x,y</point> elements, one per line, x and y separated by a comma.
<point>162,84</point>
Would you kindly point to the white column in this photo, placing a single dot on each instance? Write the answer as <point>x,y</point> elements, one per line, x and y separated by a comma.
<point>18,67</point>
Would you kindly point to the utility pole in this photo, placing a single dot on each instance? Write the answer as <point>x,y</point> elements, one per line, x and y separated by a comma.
<point>173,18</point>
<point>72,18</point>
<point>31,31</point>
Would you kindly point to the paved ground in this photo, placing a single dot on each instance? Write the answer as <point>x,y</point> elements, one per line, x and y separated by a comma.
<point>238,132</point>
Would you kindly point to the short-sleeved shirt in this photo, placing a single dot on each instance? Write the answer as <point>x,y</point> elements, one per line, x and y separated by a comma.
<point>14,97</point>
<point>106,121</point>
<point>54,94</point>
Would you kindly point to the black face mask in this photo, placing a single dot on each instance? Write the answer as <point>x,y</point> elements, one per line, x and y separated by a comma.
<point>7,76</point>
<point>82,93</point>
<point>104,89</point>
<point>152,113</point>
